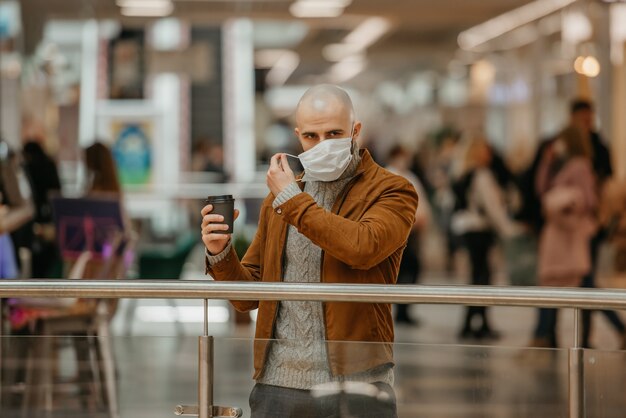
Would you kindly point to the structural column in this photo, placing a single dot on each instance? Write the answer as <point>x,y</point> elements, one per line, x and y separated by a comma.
<point>238,61</point>
<point>618,139</point>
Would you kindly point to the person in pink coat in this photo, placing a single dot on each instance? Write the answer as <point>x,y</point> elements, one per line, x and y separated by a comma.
<point>566,186</point>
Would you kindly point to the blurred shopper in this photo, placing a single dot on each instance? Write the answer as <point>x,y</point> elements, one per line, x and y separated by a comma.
<point>16,206</point>
<point>566,186</point>
<point>443,195</point>
<point>480,213</point>
<point>103,179</point>
<point>44,179</point>
<point>8,263</point>
<point>583,117</point>
<point>101,170</point>
<point>399,162</point>
<point>613,217</point>
<point>346,221</point>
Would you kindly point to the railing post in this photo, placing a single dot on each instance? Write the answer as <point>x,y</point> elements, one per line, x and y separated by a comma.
<point>205,407</point>
<point>576,370</point>
<point>205,369</point>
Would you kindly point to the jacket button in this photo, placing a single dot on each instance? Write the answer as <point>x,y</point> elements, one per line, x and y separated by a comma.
<point>279,211</point>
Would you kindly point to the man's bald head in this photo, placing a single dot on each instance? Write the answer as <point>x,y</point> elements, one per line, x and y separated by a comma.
<point>325,112</point>
<point>324,99</point>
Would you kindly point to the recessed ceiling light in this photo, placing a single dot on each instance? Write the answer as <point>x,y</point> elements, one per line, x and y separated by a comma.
<point>146,8</point>
<point>148,11</point>
<point>321,8</point>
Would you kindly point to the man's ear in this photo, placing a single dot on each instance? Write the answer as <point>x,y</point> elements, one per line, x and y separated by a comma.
<point>356,131</point>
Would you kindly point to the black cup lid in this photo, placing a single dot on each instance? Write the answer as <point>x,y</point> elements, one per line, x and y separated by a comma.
<point>222,198</point>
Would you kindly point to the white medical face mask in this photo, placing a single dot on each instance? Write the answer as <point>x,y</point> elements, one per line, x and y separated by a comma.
<point>327,160</point>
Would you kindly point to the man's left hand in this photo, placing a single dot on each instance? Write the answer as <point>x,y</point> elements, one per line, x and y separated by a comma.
<point>279,175</point>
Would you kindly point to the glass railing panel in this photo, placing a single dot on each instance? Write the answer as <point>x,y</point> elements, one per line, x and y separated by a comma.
<point>605,380</point>
<point>150,376</point>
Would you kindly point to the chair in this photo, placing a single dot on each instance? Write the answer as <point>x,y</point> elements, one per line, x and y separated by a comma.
<point>94,246</point>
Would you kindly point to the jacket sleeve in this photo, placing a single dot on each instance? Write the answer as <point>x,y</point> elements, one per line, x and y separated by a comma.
<point>361,244</point>
<point>248,269</point>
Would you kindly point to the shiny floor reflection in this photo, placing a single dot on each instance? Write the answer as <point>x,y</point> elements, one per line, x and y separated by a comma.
<point>157,373</point>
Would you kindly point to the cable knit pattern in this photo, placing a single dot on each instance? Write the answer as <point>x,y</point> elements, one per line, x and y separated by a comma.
<point>214,259</point>
<point>290,191</point>
<point>298,358</point>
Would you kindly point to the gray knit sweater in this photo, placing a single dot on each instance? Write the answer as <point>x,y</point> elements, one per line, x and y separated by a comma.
<point>298,357</point>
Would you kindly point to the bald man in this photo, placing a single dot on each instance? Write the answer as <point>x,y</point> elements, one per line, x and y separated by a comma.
<point>345,220</point>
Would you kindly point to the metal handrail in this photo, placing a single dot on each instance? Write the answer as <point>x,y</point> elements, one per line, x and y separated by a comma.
<point>207,289</point>
<point>577,299</point>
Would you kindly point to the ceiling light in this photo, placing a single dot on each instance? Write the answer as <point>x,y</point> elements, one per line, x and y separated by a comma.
<point>281,62</point>
<point>506,22</point>
<point>347,68</point>
<point>283,68</point>
<point>576,27</point>
<point>368,32</point>
<point>266,58</point>
<point>146,8</point>
<point>321,8</point>
<point>146,4</point>
<point>587,66</point>
<point>337,52</point>
<point>578,64</point>
<point>147,12</point>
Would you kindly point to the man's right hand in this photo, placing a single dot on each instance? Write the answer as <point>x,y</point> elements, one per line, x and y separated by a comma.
<point>214,243</point>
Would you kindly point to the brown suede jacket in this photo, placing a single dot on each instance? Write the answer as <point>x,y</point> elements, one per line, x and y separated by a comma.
<point>362,239</point>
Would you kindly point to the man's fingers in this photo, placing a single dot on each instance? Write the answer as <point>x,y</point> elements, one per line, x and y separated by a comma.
<point>215,237</point>
<point>274,162</point>
<point>285,164</point>
<point>208,219</point>
<point>207,209</point>
<point>210,228</point>
<point>236,215</point>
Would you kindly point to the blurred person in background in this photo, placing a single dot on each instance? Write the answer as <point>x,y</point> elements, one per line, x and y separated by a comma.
<point>8,262</point>
<point>399,162</point>
<point>443,195</point>
<point>480,214</point>
<point>17,208</point>
<point>103,179</point>
<point>101,170</point>
<point>208,156</point>
<point>345,221</point>
<point>567,189</point>
<point>613,217</point>
<point>583,117</point>
<point>44,179</point>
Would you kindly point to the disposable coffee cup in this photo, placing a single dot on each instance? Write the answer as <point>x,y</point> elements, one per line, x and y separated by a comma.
<point>225,206</point>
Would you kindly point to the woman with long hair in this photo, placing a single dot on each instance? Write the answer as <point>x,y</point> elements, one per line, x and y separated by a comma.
<point>101,169</point>
<point>480,214</point>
